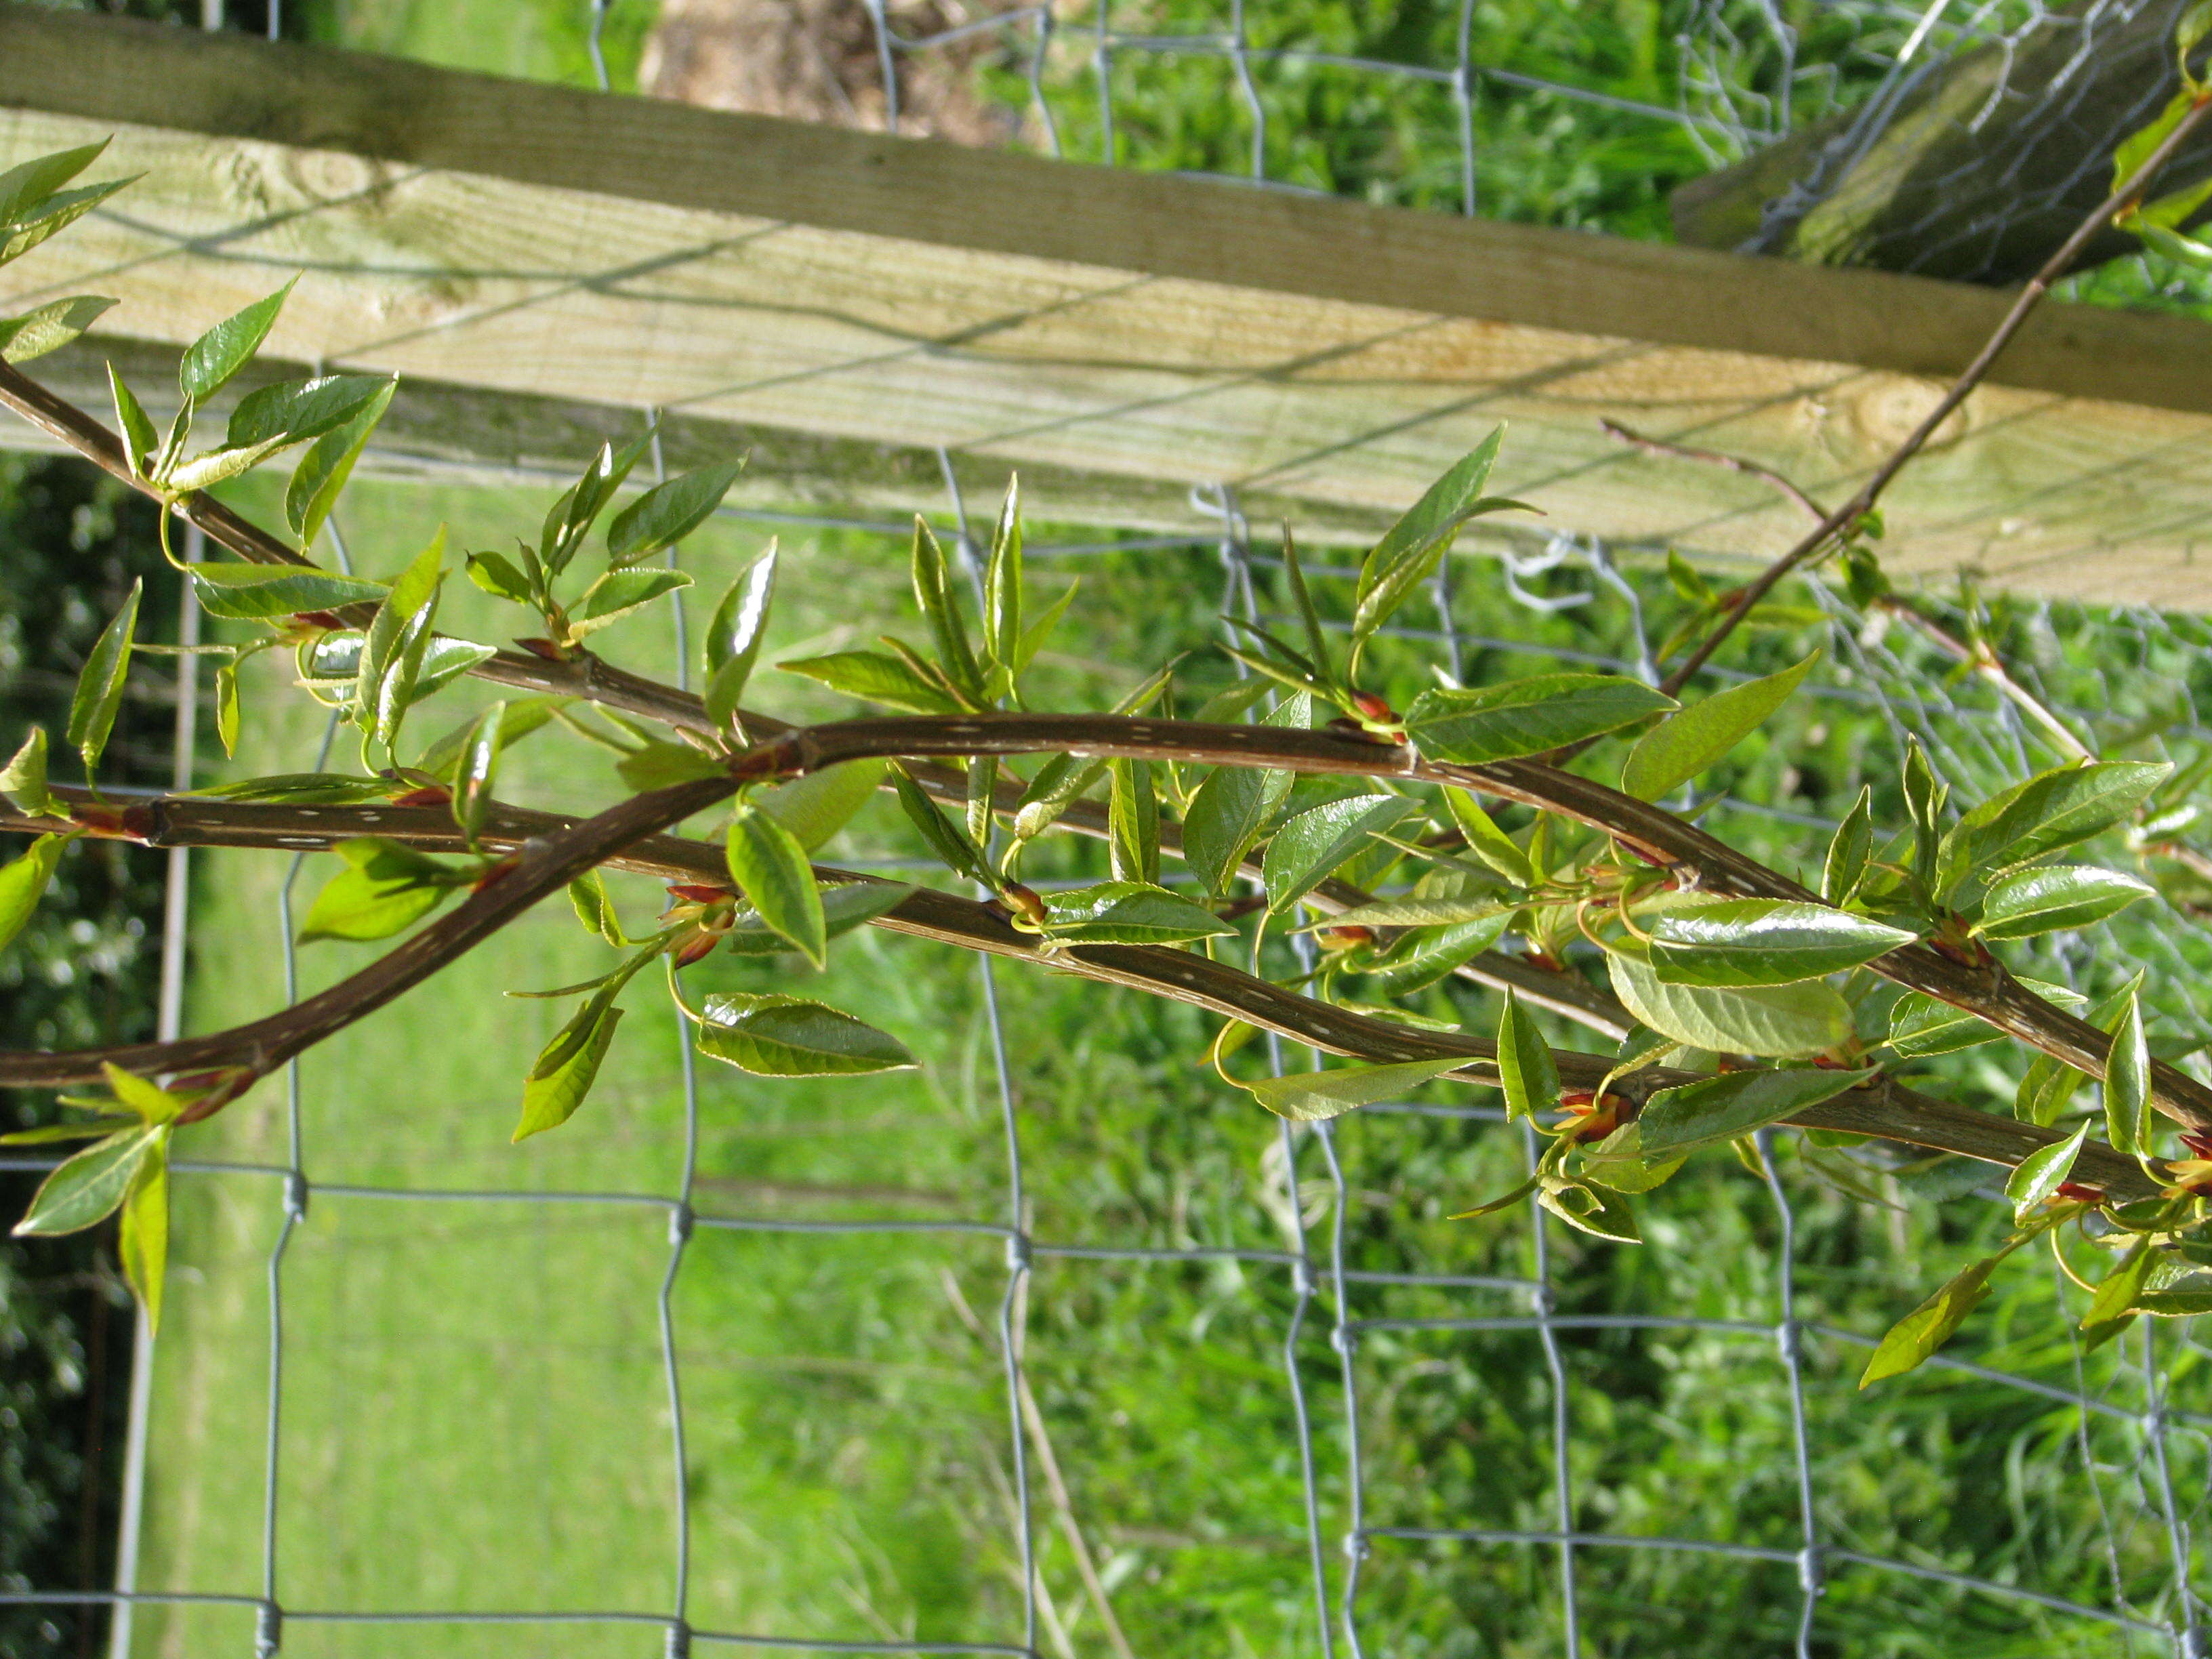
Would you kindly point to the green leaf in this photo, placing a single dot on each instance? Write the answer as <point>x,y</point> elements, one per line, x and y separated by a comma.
<point>617,593</point>
<point>89,1129</point>
<point>567,1067</point>
<point>1133,822</point>
<point>305,789</point>
<point>321,475</point>
<point>877,678</point>
<point>2040,1173</point>
<point>932,590</point>
<point>142,1242</point>
<point>1486,841</point>
<point>1691,738</point>
<point>1057,782</point>
<point>1314,1097</point>
<point>2127,1083</point>
<point>1733,1103</point>
<point>1605,1214</point>
<point>1302,854</point>
<point>24,780</point>
<point>570,518</point>
<point>1431,904</point>
<point>789,1036</point>
<point>210,361</point>
<point>99,683</point>
<point>1424,955</point>
<point>395,644</point>
<point>1038,632</point>
<point>1778,1022</point>
<point>1844,867</point>
<point>1763,942</point>
<point>23,882</point>
<point>1232,805</point>
<point>293,411</point>
<point>91,1187</point>
<point>1920,1025</point>
<point>2050,811</point>
<point>385,887</point>
<point>2112,1310</point>
<point>1931,1324</point>
<point>498,577</point>
<point>1002,585</point>
<point>28,185</point>
<point>50,327</point>
<point>770,867</point>
<point>844,907</point>
<point>945,839</point>
<point>2045,1090</point>
<point>524,715</point>
<point>818,806</point>
<point>1530,1075</point>
<point>1526,717</point>
<point>147,1100</point>
<point>667,513</point>
<point>657,764</point>
<point>2139,145</point>
<point>257,593</point>
<point>1127,913</point>
<point>2052,897</point>
<point>733,638</point>
<point>587,895</point>
<point>478,769</point>
<point>139,437</point>
<point>1410,550</point>
<point>205,471</point>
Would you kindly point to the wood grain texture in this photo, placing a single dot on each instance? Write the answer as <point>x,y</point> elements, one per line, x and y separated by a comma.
<point>1329,356</point>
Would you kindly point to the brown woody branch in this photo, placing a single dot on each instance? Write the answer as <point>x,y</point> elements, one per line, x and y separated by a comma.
<point>1886,1108</point>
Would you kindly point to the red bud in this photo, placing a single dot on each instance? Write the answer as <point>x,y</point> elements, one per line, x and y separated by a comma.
<point>430,794</point>
<point>699,893</point>
<point>2076,1190</point>
<point>692,949</point>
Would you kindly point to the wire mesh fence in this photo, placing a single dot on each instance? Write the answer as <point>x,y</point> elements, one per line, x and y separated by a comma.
<point>1349,1333</point>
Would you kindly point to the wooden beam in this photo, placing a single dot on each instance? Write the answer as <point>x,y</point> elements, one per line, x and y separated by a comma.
<point>530,239</point>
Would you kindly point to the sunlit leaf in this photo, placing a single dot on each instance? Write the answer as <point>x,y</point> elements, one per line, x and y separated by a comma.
<point>1530,1075</point>
<point>1733,1103</point>
<point>1311,845</point>
<point>619,593</point>
<point>2112,1310</point>
<point>1313,1097</point>
<point>877,677</point>
<point>734,636</point>
<point>23,781</point>
<point>1127,913</point>
<point>2051,811</point>
<point>210,361</point>
<point>1763,942</point>
<point>385,887</point>
<point>667,513</point>
<point>91,1187</point>
<point>1845,866</point>
<point>566,1068</point>
<point>1410,550</point>
<point>2052,897</point>
<point>1779,1022</point>
<point>1133,822</point>
<point>770,867</point>
<point>322,473</point>
<point>477,770</point>
<point>788,1036</point>
<point>818,806</point>
<point>49,327</point>
<point>1486,841</point>
<point>142,1242</point>
<point>2038,1176</point>
<point>1526,717</point>
<point>844,907</point>
<point>99,692</point>
<point>933,591</point>
<point>23,882</point>
<point>1931,1324</point>
<point>2127,1083</point>
<point>1424,955</point>
<point>1691,738</point>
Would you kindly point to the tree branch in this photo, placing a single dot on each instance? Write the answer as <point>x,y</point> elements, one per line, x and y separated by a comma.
<point>1887,1108</point>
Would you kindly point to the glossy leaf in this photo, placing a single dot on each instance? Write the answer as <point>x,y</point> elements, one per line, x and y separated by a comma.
<point>385,887</point>
<point>1931,1324</point>
<point>789,1036</point>
<point>1058,782</point>
<point>1133,822</point>
<point>28,185</point>
<point>1845,866</point>
<point>655,765</point>
<point>570,518</point>
<point>1002,585</point>
<point>2127,1083</point>
<point>734,636</point>
<point>946,839</point>
<point>2038,1176</point>
<point>1526,717</point>
<point>52,216</point>
<point>293,411</point>
<point>619,593</point>
<point>478,770</point>
<point>322,473</point>
<point>1229,808</point>
<point>2047,813</point>
<point>941,608</point>
<point>1441,898</point>
<point>817,806</point>
<point>395,644</point>
<point>1530,1075</point>
<point>1301,855</point>
<point>1424,955</point>
<point>1486,841</point>
<point>132,420</point>
<point>876,677</point>
<point>2045,1091</point>
<point>667,513</point>
<point>306,789</point>
<point>91,1187</point>
<point>845,907</point>
<point>1920,1025</point>
<point>587,895</point>
<point>1776,1022</point>
<point>23,781</point>
<point>524,716</point>
<point>1127,913</point>
<point>210,361</point>
<point>1033,637</point>
<point>771,869</point>
<point>2112,1310</point>
<point>498,577</point>
<point>258,593</point>
<point>49,327</point>
<point>567,1067</point>
<point>1733,1103</point>
<point>1410,550</point>
<point>1315,1097</point>
<point>23,883</point>
<point>99,683</point>
<point>1591,1208</point>
<point>1691,738</point>
<point>2052,897</point>
<point>142,1242</point>
<point>1763,942</point>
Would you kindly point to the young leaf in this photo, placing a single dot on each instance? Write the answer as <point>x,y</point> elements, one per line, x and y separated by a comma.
<point>28,185</point>
<point>49,327</point>
<point>1691,738</point>
<point>1410,551</point>
<point>210,361</point>
<point>1931,1324</point>
<point>1424,955</point>
<point>655,765</point>
<point>2045,1090</point>
<point>321,475</point>
<point>932,590</point>
<point>23,883</point>
<point>1844,867</point>
<point>1002,586</point>
<point>818,806</point>
<point>442,759</point>
<point>1317,641</point>
<point>24,780</point>
<point>1486,841</point>
<point>733,638</point>
<point>226,706</point>
<point>1763,942</point>
<point>1127,913</point>
<point>53,216</point>
<point>258,593</point>
<point>2051,811</point>
<point>498,577</point>
<point>1526,717</point>
<point>1057,782</point>
<point>2040,1175</point>
<point>843,909</point>
<point>1733,1103</point>
<point>142,1242</point>
<point>1924,804</point>
<point>293,411</point>
<point>2052,898</point>
<point>566,1066</point>
<point>789,1036</point>
<point>91,1187</point>
<point>1530,1076</point>
<point>770,867</point>
<point>394,647</point>
<point>1232,805</point>
<point>1038,632</point>
<point>617,593</point>
<point>877,678</point>
<point>385,887</point>
<point>1920,1025</point>
<point>132,420</point>
<point>948,842</point>
<point>1302,852</point>
<point>1602,1213</point>
<point>2112,1310</point>
<point>570,518</point>
<point>99,683</point>
<point>479,766</point>
<point>1314,1097</point>
<point>1776,1022</point>
<point>667,513</point>
<point>587,894</point>
<point>2127,1083</point>
<point>1134,821</point>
